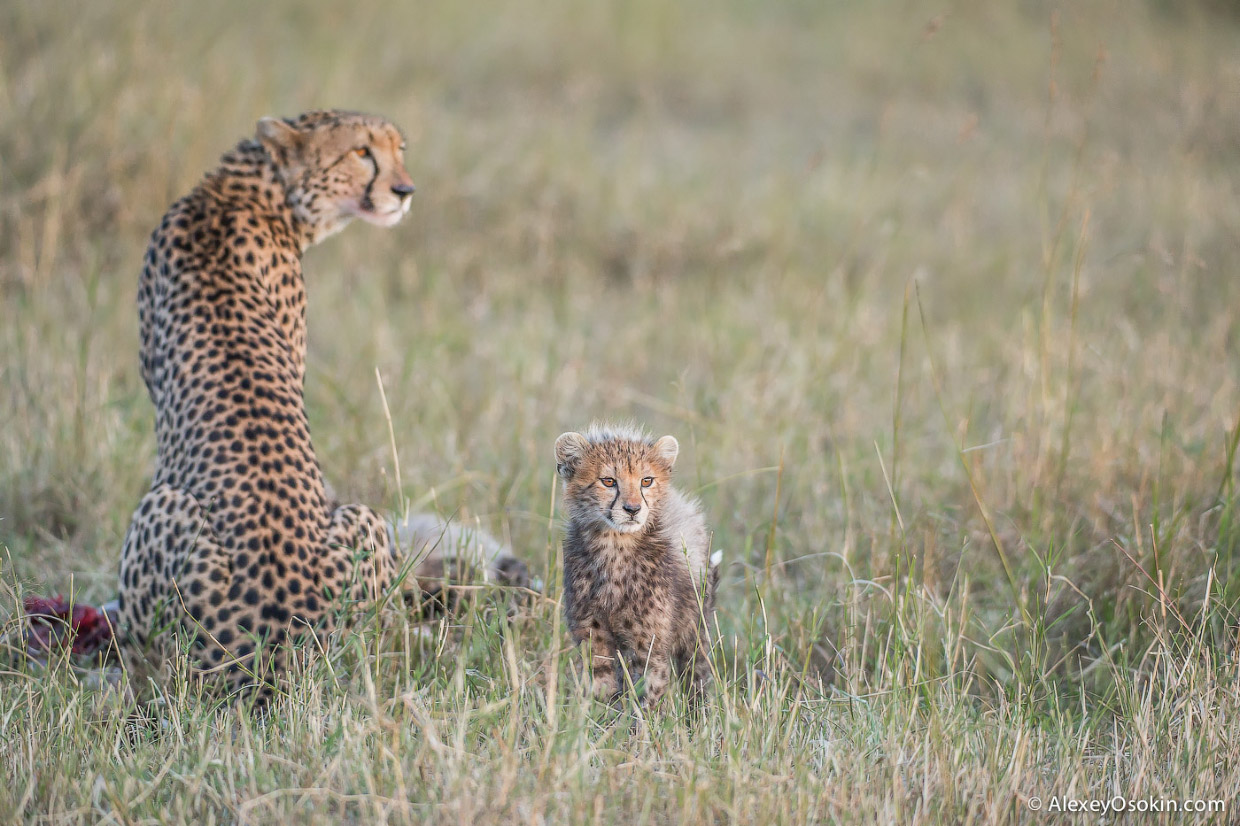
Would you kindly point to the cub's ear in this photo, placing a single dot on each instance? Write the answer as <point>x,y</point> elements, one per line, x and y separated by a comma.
<point>569,450</point>
<point>279,138</point>
<point>667,449</point>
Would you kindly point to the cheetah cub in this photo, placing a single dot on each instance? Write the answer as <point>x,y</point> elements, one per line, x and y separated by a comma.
<point>639,580</point>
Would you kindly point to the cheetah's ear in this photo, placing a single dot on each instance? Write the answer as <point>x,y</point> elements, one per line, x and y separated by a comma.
<point>667,449</point>
<point>570,448</point>
<point>279,138</point>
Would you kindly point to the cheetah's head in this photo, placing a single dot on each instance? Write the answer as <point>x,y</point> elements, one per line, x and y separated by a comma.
<point>337,166</point>
<point>614,478</point>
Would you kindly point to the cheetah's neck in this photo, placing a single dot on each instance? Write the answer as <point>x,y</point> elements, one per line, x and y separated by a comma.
<point>247,180</point>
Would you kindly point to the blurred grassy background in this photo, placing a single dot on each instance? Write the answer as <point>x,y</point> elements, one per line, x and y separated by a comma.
<point>964,271</point>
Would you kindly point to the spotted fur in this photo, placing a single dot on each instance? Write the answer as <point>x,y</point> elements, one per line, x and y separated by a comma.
<point>639,581</point>
<point>235,546</point>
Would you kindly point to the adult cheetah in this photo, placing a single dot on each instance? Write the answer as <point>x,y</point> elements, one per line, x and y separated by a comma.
<point>235,547</point>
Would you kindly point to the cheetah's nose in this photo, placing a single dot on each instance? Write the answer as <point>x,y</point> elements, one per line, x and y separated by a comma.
<point>631,508</point>
<point>403,189</point>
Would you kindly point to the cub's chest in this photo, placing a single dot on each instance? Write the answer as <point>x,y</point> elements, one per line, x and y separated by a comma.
<point>624,577</point>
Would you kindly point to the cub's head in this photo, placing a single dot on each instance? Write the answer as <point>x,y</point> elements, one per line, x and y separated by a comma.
<point>337,166</point>
<point>614,478</point>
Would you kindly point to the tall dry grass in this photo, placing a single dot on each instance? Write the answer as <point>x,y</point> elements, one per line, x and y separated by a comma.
<point>938,301</point>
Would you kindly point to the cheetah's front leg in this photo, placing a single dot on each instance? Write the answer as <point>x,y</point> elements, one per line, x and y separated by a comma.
<point>602,665</point>
<point>655,666</point>
<point>696,672</point>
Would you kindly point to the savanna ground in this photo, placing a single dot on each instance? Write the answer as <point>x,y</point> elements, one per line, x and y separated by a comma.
<point>939,301</point>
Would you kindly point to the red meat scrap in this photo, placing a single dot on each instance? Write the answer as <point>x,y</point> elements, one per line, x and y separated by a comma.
<point>54,624</point>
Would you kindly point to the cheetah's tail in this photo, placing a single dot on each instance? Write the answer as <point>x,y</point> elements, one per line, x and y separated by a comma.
<point>441,546</point>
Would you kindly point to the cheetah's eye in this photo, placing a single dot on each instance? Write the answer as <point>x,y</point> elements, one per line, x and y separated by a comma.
<point>647,481</point>
<point>362,152</point>
<point>608,482</point>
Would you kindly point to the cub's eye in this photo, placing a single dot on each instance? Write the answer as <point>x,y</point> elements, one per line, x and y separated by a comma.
<point>402,146</point>
<point>362,152</point>
<point>608,482</point>
<point>647,481</point>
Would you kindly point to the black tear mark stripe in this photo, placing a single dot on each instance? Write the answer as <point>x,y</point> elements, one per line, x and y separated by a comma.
<point>350,152</point>
<point>367,203</point>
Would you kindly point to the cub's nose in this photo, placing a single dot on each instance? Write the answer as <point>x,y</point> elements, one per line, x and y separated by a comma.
<point>631,508</point>
<point>403,189</point>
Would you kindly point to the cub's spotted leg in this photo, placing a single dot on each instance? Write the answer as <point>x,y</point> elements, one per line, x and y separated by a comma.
<point>696,674</point>
<point>655,665</point>
<point>602,668</point>
<point>359,562</point>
